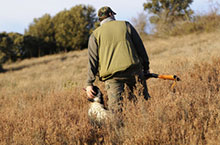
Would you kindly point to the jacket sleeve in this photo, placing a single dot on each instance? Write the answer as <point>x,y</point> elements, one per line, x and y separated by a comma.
<point>140,49</point>
<point>92,60</point>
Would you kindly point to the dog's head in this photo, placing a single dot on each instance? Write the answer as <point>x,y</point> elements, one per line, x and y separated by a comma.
<point>98,96</point>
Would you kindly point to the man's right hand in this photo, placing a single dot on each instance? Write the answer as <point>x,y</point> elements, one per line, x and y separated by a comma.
<point>90,92</point>
<point>146,74</point>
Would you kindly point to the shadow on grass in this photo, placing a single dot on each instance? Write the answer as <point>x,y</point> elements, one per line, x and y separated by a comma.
<point>2,70</point>
<point>63,58</point>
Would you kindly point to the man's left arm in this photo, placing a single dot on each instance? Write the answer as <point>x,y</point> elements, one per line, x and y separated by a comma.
<point>92,65</point>
<point>140,49</point>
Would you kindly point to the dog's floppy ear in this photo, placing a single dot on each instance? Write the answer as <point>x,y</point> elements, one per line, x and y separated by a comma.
<point>96,90</point>
<point>99,94</point>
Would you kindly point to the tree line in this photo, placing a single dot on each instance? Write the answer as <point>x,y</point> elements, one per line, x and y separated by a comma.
<point>66,31</point>
<point>70,29</point>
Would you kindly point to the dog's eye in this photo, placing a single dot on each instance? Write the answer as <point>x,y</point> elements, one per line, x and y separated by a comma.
<point>91,100</point>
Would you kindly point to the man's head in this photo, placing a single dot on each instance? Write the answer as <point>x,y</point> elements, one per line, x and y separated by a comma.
<point>105,12</point>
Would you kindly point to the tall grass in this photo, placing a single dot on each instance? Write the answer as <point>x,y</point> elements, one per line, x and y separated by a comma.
<point>189,114</point>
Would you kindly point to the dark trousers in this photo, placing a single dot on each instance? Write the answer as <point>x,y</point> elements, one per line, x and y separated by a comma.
<point>115,86</point>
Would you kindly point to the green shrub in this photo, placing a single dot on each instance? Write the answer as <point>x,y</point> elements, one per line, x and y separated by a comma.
<point>73,27</point>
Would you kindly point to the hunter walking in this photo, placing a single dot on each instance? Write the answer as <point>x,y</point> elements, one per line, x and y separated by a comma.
<point>117,56</point>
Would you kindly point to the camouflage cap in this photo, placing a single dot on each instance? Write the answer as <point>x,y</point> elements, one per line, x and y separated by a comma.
<point>104,11</point>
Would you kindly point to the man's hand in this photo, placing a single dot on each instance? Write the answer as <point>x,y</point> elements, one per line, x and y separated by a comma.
<point>146,74</point>
<point>90,92</point>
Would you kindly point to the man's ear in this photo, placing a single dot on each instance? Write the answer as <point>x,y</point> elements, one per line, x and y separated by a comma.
<point>110,14</point>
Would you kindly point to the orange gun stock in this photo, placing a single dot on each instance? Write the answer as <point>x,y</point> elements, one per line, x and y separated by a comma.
<point>165,77</point>
<point>169,77</point>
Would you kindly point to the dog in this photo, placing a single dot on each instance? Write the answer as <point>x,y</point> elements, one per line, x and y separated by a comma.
<point>97,113</point>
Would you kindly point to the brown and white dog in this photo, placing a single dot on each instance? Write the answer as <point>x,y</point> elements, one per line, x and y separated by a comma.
<point>97,113</point>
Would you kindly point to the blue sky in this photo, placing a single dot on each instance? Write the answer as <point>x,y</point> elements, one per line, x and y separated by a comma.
<point>16,15</point>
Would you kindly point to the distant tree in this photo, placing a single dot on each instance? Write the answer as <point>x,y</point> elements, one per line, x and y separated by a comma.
<point>68,30</point>
<point>168,10</point>
<point>72,27</point>
<point>4,44</point>
<point>140,23</point>
<point>43,30</point>
<point>17,47</point>
<point>6,48</point>
<point>31,46</point>
<point>10,47</point>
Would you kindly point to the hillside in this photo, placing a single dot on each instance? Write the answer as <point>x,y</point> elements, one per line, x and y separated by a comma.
<point>42,100</point>
<point>56,72</point>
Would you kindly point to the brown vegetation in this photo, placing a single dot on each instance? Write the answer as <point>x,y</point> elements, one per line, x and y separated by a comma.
<point>42,101</point>
<point>208,22</point>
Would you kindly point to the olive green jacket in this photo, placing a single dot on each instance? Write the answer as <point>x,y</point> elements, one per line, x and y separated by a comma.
<point>114,47</point>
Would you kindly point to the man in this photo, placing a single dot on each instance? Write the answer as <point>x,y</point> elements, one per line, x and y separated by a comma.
<point>117,55</point>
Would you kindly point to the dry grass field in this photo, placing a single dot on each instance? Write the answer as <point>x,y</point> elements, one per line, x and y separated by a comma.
<point>42,101</point>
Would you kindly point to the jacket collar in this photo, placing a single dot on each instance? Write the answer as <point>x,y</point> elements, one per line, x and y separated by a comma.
<point>106,20</point>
